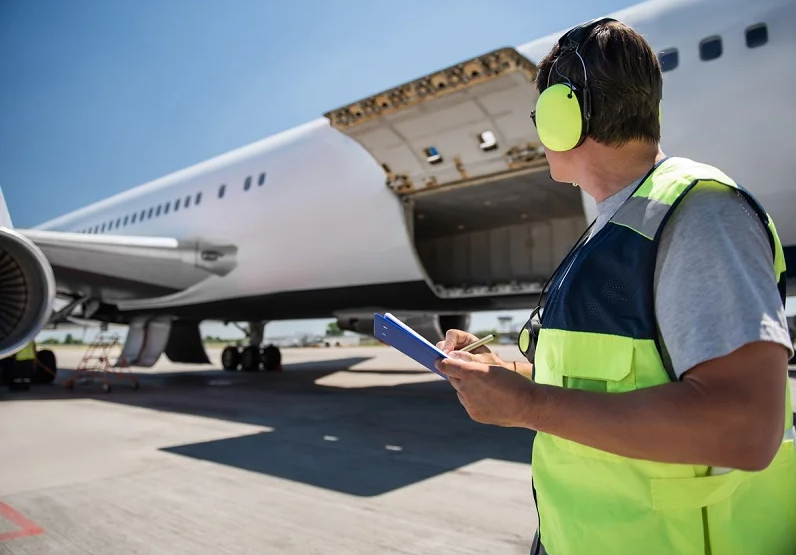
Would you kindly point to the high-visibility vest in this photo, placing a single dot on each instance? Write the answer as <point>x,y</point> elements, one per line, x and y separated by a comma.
<point>599,333</point>
<point>28,352</point>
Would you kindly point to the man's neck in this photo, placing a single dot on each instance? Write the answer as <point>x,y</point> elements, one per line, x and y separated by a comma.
<point>606,171</point>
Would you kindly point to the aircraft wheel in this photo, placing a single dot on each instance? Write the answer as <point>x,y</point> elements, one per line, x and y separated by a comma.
<point>230,358</point>
<point>272,359</point>
<point>45,359</point>
<point>250,359</point>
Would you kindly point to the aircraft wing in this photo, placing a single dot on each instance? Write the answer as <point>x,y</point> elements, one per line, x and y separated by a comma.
<point>112,268</point>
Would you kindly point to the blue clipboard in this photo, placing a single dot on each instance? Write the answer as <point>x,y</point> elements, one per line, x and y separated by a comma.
<point>399,336</point>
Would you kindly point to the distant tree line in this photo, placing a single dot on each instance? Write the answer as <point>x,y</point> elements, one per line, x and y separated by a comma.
<point>68,340</point>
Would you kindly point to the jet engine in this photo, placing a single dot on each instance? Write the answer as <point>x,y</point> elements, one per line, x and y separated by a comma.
<point>27,291</point>
<point>430,326</point>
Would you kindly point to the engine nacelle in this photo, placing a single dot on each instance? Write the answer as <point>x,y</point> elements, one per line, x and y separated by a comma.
<point>27,291</point>
<point>431,326</point>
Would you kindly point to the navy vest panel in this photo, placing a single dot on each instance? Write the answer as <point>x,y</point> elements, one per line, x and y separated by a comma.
<point>608,288</point>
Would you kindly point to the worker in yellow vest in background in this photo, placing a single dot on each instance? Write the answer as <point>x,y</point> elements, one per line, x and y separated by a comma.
<point>28,352</point>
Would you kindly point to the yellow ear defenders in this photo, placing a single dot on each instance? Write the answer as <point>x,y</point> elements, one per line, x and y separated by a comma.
<point>563,110</point>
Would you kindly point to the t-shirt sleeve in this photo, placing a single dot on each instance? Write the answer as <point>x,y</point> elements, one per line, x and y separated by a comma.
<point>715,289</point>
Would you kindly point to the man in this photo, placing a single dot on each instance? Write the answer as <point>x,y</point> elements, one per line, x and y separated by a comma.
<point>659,387</point>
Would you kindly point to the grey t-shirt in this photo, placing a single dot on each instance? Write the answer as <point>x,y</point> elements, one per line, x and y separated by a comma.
<point>714,280</point>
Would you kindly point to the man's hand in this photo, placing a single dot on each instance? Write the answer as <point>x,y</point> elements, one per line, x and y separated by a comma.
<point>458,339</point>
<point>491,394</point>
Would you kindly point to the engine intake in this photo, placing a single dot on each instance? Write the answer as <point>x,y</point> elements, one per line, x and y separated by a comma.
<point>27,291</point>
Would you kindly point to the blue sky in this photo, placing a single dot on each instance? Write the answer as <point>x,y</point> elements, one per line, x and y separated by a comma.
<point>99,96</point>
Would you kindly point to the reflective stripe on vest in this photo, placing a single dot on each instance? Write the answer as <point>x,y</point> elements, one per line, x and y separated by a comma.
<point>599,334</point>
<point>28,352</point>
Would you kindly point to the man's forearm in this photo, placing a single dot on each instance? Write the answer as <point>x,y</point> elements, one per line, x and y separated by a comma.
<point>674,423</point>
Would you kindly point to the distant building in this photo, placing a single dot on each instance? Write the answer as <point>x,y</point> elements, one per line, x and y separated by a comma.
<point>348,339</point>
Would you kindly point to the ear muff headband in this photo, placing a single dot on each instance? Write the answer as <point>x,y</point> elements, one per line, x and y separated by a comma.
<point>563,111</point>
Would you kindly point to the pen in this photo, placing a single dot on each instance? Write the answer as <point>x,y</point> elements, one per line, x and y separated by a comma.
<point>478,343</point>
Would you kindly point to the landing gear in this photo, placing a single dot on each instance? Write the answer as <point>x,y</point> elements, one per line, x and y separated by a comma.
<point>250,357</point>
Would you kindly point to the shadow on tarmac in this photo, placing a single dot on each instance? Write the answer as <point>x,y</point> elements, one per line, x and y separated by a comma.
<point>362,441</point>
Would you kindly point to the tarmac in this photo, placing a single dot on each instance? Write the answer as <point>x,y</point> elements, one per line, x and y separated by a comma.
<point>351,450</point>
<point>348,450</point>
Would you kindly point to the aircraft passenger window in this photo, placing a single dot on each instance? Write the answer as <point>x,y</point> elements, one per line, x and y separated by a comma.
<point>141,217</point>
<point>149,215</point>
<point>668,59</point>
<point>166,207</point>
<point>125,220</point>
<point>262,179</point>
<point>756,35</point>
<point>102,229</point>
<point>118,223</point>
<point>710,48</point>
<point>132,220</point>
<point>187,201</point>
<point>247,183</point>
<point>157,212</point>
<point>198,198</point>
<point>221,191</point>
<point>176,205</point>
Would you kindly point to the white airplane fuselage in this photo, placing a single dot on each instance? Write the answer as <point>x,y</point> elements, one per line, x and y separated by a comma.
<point>323,220</point>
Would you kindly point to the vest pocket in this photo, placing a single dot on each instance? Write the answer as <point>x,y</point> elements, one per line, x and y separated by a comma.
<point>744,512</point>
<point>583,360</point>
<point>703,491</point>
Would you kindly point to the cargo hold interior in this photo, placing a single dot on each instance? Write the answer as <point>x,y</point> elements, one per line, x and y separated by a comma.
<point>507,234</point>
